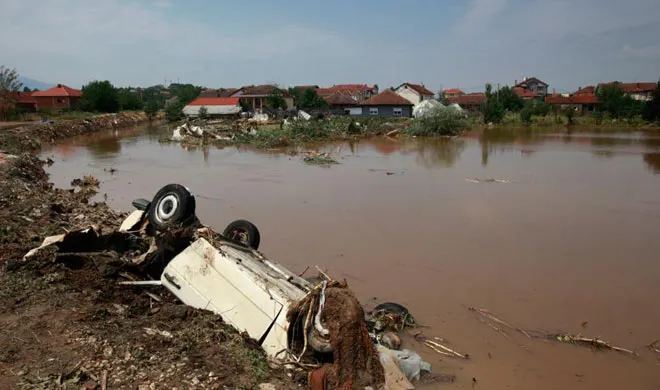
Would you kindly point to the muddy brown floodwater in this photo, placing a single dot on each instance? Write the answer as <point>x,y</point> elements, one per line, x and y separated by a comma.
<point>571,244</point>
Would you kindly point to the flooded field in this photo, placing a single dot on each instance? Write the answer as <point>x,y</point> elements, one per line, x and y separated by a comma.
<point>566,238</point>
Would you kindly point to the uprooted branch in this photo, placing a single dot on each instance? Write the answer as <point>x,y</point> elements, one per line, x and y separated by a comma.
<point>490,316</point>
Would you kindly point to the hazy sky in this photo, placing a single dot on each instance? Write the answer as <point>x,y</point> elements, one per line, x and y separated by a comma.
<point>442,43</point>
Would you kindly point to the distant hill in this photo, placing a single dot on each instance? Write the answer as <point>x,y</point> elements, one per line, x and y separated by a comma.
<point>32,84</point>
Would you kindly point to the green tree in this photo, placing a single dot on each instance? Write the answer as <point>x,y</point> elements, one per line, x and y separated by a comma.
<point>311,100</point>
<point>27,90</point>
<point>9,83</point>
<point>129,100</point>
<point>203,112</point>
<point>442,98</point>
<point>275,100</point>
<point>492,109</point>
<point>185,92</point>
<point>100,96</point>
<point>151,109</point>
<point>616,103</point>
<point>509,100</point>
<point>570,114</point>
<point>527,112</point>
<point>651,111</point>
<point>174,111</point>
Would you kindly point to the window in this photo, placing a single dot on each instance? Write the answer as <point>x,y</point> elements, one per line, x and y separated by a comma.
<point>397,111</point>
<point>373,110</point>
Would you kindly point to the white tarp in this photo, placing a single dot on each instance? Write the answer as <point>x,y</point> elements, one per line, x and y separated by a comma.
<point>425,107</point>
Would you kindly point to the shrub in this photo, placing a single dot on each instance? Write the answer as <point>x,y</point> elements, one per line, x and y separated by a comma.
<point>174,111</point>
<point>570,114</point>
<point>203,112</point>
<point>443,122</point>
<point>100,96</point>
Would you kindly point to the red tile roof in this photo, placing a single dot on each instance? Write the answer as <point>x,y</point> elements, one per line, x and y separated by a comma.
<point>525,93</point>
<point>214,101</point>
<point>387,98</point>
<point>341,99</point>
<point>419,88</point>
<point>59,90</point>
<point>352,89</point>
<point>588,90</point>
<point>21,98</point>
<point>469,99</point>
<point>453,91</point>
<point>634,87</point>
<point>575,99</point>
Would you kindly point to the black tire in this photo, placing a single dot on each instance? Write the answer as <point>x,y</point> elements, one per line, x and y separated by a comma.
<point>243,232</point>
<point>173,205</point>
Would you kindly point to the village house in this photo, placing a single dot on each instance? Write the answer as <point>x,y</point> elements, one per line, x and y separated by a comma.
<point>387,104</point>
<point>638,91</point>
<point>221,92</point>
<point>19,101</point>
<point>452,92</point>
<point>526,94</point>
<point>469,102</point>
<point>57,98</point>
<point>358,91</point>
<point>533,84</point>
<point>415,93</point>
<point>343,104</point>
<point>215,107</point>
<point>584,101</point>
<point>256,96</point>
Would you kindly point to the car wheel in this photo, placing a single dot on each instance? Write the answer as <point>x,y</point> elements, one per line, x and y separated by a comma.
<point>173,205</point>
<point>244,232</point>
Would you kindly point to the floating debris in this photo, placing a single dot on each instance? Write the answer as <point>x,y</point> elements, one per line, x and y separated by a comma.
<point>319,159</point>
<point>488,180</point>
<point>589,342</point>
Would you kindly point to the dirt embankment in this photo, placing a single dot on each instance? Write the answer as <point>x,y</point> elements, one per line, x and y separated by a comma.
<point>32,137</point>
<point>64,320</point>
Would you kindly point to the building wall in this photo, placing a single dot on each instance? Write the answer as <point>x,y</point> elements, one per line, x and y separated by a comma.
<point>410,94</point>
<point>57,103</point>
<point>388,111</point>
<point>537,87</point>
<point>642,96</point>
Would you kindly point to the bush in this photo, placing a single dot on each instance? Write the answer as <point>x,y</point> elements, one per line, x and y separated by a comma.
<point>570,114</point>
<point>129,100</point>
<point>444,121</point>
<point>526,115</point>
<point>100,96</point>
<point>151,109</point>
<point>651,110</point>
<point>174,111</point>
<point>493,112</point>
<point>203,112</point>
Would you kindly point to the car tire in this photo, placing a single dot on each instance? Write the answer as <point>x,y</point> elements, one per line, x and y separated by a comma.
<point>244,232</point>
<point>173,205</point>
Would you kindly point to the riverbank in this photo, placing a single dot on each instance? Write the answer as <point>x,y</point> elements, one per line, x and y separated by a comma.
<point>31,137</point>
<point>64,321</point>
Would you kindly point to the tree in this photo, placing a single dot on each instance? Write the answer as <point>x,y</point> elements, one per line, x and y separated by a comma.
<point>129,100</point>
<point>509,100</point>
<point>151,109</point>
<point>174,111</point>
<point>203,112</point>
<point>442,98</point>
<point>275,100</point>
<point>185,92</point>
<point>100,96</point>
<point>492,109</point>
<point>9,83</point>
<point>570,114</point>
<point>651,111</point>
<point>311,100</point>
<point>616,103</point>
<point>27,90</point>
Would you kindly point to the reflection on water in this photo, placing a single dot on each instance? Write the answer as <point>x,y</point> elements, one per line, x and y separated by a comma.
<point>652,160</point>
<point>443,152</point>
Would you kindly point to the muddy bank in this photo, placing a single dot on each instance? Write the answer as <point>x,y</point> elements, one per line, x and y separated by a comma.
<point>32,137</point>
<point>65,321</point>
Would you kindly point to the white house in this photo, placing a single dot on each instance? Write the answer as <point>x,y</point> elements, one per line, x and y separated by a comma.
<point>415,93</point>
<point>215,106</point>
